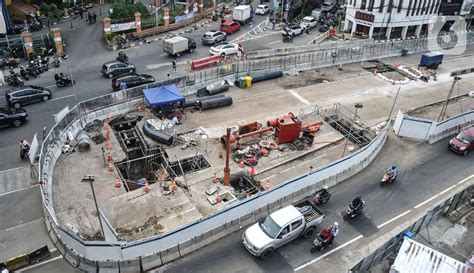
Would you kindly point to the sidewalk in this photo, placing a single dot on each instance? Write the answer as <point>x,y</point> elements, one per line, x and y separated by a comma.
<point>16,179</point>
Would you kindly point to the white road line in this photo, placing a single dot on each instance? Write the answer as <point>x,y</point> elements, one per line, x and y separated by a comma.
<point>328,253</point>
<point>50,86</point>
<point>14,169</point>
<point>22,189</point>
<point>274,42</point>
<point>435,196</point>
<point>161,55</point>
<point>393,219</point>
<point>39,264</point>
<point>300,98</point>
<point>287,170</point>
<point>60,98</point>
<point>24,224</point>
<point>155,66</point>
<point>465,179</point>
<point>268,178</point>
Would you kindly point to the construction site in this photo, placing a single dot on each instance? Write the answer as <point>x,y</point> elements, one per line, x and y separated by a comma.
<point>155,170</point>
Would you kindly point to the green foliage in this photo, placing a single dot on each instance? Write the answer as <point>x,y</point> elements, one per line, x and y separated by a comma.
<point>123,9</point>
<point>176,11</point>
<point>109,38</point>
<point>31,56</point>
<point>51,10</point>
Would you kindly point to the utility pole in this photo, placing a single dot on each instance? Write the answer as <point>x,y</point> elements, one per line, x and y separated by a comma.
<point>90,179</point>
<point>393,104</point>
<point>445,105</point>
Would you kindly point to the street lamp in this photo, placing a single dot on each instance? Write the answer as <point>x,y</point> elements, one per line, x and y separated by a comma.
<point>90,179</point>
<point>70,74</point>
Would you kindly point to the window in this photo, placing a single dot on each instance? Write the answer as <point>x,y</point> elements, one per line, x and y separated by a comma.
<point>409,6</point>
<point>296,224</point>
<point>433,5</point>
<point>362,4</point>
<point>382,3</point>
<point>414,8</point>
<point>400,5</point>
<point>371,5</point>
<point>424,6</point>
<point>285,230</point>
<point>3,116</point>
<point>418,8</point>
<point>390,6</point>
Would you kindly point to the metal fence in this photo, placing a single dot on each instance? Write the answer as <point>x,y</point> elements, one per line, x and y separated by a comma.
<point>447,207</point>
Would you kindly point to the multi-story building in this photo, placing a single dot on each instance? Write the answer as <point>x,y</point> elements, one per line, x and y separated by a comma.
<point>386,19</point>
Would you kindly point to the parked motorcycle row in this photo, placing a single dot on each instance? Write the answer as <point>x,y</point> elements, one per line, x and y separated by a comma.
<point>32,70</point>
<point>325,238</point>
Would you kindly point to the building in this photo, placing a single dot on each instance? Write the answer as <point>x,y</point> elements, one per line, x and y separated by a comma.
<point>388,19</point>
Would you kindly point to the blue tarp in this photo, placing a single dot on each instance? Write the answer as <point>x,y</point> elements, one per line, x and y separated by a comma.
<point>163,95</point>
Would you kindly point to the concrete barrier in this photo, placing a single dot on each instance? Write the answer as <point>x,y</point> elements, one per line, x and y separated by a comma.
<point>38,255</point>
<point>88,265</point>
<point>233,226</point>
<point>170,254</point>
<point>246,220</point>
<point>17,262</point>
<point>72,257</point>
<point>60,246</point>
<point>203,240</point>
<point>260,213</point>
<point>130,266</point>
<point>151,261</point>
<point>219,232</point>
<point>274,206</point>
<point>108,266</point>
<point>187,247</point>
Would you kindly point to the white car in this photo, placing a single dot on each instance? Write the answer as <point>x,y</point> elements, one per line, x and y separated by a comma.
<point>308,22</point>
<point>262,9</point>
<point>224,49</point>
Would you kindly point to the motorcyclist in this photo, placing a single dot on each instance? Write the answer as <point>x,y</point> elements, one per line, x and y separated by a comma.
<point>391,172</point>
<point>334,228</point>
<point>356,204</point>
<point>324,192</point>
<point>56,77</point>
<point>122,55</point>
<point>24,148</point>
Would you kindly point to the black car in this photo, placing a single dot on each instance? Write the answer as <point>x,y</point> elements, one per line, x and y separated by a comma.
<point>12,117</point>
<point>27,94</point>
<point>131,80</point>
<point>115,68</point>
<point>324,28</point>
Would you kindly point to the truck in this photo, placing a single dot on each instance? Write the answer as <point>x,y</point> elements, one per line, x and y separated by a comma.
<point>281,227</point>
<point>431,60</point>
<point>316,13</point>
<point>242,14</point>
<point>177,45</point>
<point>327,6</point>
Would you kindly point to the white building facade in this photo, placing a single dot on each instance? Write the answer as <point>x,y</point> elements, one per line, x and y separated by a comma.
<point>389,19</point>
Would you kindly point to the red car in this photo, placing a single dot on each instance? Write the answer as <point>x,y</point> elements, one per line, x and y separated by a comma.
<point>230,27</point>
<point>463,142</point>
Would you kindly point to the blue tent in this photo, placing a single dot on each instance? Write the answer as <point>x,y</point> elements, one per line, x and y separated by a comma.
<point>163,95</point>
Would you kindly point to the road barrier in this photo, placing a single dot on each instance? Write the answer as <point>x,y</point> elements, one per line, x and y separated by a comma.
<point>156,250</point>
<point>38,255</point>
<point>446,207</point>
<point>17,262</point>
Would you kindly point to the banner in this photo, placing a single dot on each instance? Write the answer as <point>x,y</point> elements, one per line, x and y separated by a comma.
<point>33,149</point>
<point>184,17</point>
<point>122,26</point>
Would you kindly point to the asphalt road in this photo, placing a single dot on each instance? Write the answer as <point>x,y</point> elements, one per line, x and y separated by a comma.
<point>425,170</point>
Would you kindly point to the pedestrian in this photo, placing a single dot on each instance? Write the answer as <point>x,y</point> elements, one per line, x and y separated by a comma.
<point>173,62</point>
<point>89,17</point>
<point>2,78</point>
<point>94,17</point>
<point>49,25</point>
<point>81,13</point>
<point>123,86</point>
<point>169,76</point>
<point>273,23</point>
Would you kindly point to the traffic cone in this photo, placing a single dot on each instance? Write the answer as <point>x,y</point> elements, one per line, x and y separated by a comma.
<point>109,117</point>
<point>340,68</point>
<point>111,167</point>
<point>109,157</point>
<point>310,169</point>
<point>242,163</point>
<point>267,185</point>
<point>218,198</point>
<point>146,189</point>
<point>107,134</point>
<point>117,183</point>
<point>173,186</point>
<point>108,145</point>
<point>139,107</point>
<point>252,170</point>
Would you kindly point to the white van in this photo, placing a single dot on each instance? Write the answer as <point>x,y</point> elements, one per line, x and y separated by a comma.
<point>327,6</point>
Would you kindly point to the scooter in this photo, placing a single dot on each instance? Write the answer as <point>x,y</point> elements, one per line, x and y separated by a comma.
<point>319,198</point>
<point>122,57</point>
<point>351,213</point>
<point>321,242</point>
<point>387,179</point>
<point>56,61</point>
<point>24,153</point>
<point>15,80</point>
<point>24,74</point>
<point>62,81</point>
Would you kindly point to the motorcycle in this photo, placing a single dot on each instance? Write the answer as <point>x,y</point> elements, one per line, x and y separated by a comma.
<point>387,179</point>
<point>351,213</point>
<point>321,197</point>
<point>122,57</point>
<point>15,80</point>
<point>63,81</point>
<point>322,241</point>
<point>24,74</point>
<point>24,153</point>
<point>8,63</point>
<point>56,61</point>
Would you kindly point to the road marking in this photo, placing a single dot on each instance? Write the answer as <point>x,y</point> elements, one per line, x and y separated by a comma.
<point>14,169</point>
<point>300,98</point>
<point>161,55</point>
<point>328,253</point>
<point>8,192</point>
<point>155,66</point>
<point>435,196</point>
<point>63,97</point>
<point>395,218</point>
<point>465,179</point>
<point>50,86</point>
<point>24,224</point>
<point>274,42</point>
<point>39,264</point>
<point>268,178</point>
<point>287,170</point>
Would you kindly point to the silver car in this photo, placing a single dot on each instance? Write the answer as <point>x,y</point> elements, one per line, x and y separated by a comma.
<point>213,37</point>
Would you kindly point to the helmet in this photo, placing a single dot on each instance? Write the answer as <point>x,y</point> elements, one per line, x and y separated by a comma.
<point>336,224</point>
<point>21,141</point>
<point>358,197</point>
<point>325,187</point>
<point>21,66</point>
<point>394,167</point>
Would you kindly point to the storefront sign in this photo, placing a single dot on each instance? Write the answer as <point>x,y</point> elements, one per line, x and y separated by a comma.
<point>122,26</point>
<point>364,16</point>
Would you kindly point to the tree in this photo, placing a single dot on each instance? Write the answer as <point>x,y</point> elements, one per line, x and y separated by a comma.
<point>125,9</point>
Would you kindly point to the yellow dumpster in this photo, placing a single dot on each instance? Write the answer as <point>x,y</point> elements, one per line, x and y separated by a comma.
<point>248,81</point>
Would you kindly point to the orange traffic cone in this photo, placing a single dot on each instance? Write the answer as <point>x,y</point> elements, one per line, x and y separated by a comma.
<point>252,170</point>
<point>109,157</point>
<point>107,145</point>
<point>146,189</point>
<point>111,167</point>
<point>267,185</point>
<point>173,186</point>
<point>139,107</point>
<point>242,163</point>
<point>117,183</point>
<point>107,134</point>
<point>218,198</point>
